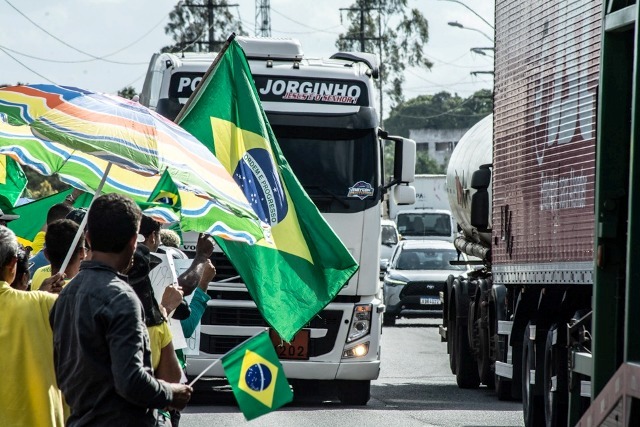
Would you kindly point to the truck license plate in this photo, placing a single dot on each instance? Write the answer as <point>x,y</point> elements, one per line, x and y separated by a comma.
<point>429,301</point>
<point>298,348</point>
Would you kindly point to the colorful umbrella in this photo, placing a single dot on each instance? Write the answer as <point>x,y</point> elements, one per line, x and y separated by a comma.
<point>90,130</point>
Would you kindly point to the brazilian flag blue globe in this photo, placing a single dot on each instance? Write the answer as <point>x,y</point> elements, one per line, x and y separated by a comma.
<point>256,377</point>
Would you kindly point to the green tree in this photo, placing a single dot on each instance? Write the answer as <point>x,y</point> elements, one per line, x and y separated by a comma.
<point>127,92</point>
<point>201,25</point>
<point>440,111</point>
<point>394,33</point>
<point>424,163</point>
<point>39,186</point>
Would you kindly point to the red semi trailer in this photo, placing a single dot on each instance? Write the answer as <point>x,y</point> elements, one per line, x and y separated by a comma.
<point>543,193</point>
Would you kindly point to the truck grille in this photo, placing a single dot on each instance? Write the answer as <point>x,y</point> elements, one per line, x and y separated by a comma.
<point>328,320</point>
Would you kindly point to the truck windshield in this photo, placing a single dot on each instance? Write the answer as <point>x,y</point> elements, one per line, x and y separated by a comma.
<point>337,167</point>
<point>424,224</point>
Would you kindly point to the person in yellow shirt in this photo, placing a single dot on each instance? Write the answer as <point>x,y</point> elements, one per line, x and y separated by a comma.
<point>56,212</point>
<point>60,235</point>
<point>28,390</point>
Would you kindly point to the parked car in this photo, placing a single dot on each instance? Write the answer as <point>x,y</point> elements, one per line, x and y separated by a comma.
<point>415,276</point>
<point>389,238</point>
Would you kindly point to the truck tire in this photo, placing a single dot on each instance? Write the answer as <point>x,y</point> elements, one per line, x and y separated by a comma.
<point>482,323</point>
<point>532,405</point>
<point>555,365</point>
<point>388,319</point>
<point>354,392</point>
<point>451,339</point>
<point>466,368</point>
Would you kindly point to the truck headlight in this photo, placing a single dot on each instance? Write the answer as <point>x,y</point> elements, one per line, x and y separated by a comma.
<point>360,322</point>
<point>359,350</point>
<point>394,282</point>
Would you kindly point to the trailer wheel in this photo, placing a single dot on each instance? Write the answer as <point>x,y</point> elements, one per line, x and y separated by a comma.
<point>532,405</point>
<point>556,392</point>
<point>466,368</point>
<point>481,321</point>
<point>451,335</point>
<point>354,392</point>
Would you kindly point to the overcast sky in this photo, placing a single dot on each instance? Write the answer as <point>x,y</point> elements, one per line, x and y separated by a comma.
<point>128,32</point>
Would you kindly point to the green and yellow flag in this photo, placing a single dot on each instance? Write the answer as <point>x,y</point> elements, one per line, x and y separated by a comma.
<point>12,183</point>
<point>164,203</point>
<point>293,275</point>
<point>256,377</point>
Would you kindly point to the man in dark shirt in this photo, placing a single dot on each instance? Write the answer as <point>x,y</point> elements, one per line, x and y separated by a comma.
<point>101,348</point>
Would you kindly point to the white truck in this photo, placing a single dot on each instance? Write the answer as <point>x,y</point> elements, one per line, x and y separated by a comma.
<point>323,114</point>
<point>429,217</point>
<point>431,193</point>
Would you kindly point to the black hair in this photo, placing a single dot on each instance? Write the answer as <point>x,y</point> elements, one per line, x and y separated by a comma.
<point>77,215</point>
<point>149,226</point>
<point>58,240</point>
<point>113,220</point>
<point>58,211</point>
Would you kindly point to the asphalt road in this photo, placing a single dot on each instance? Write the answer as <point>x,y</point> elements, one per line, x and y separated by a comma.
<point>415,388</point>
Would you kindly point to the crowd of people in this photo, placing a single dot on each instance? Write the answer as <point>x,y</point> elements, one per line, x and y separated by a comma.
<point>86,342</point>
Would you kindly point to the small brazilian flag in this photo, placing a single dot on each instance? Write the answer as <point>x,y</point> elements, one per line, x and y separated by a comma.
<point>164,203</point>
<point>256,377</point>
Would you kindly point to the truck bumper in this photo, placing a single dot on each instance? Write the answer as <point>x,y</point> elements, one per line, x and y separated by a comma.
<point>303,370</point>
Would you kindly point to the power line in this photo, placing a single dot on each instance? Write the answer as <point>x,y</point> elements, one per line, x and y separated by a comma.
<point>136,79</point>
<point>194,41</point>
<point>304,25</point>
<point>27,67</point>
<point>60,61</point>
<point>304,32</point>
<point>448,112</point>
<point>100,58</point>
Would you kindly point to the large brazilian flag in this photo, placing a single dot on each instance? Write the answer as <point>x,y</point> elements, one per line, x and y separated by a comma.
<point>256,377</point>
<point>293,275</point>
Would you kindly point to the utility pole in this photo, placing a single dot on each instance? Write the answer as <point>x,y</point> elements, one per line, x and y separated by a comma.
<point>263,18</point>
<point>362,33</point>
<point>210,23</point>
<point>211,42</point>
<point>363,39</point>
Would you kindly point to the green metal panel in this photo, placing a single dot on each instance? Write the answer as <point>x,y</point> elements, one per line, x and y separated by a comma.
<point>632,295</point>
<point>616,102</point>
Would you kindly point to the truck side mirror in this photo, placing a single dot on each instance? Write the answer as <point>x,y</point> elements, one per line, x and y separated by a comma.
<point>404,166</point>
<point>480,181</point>
<point>404,159</point>
<point>404,194</point>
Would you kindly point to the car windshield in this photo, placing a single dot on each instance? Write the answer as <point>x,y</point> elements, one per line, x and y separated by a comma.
<point>427,259</point>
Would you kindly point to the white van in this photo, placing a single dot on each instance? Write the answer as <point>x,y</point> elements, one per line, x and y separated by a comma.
<point>433,224</point>
<point>389,238</point>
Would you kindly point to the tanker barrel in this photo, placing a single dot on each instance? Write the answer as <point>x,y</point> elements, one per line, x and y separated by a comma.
<point>472,248</point>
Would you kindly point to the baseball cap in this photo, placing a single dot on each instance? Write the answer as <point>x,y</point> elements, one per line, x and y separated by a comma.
<point>7,217</point>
